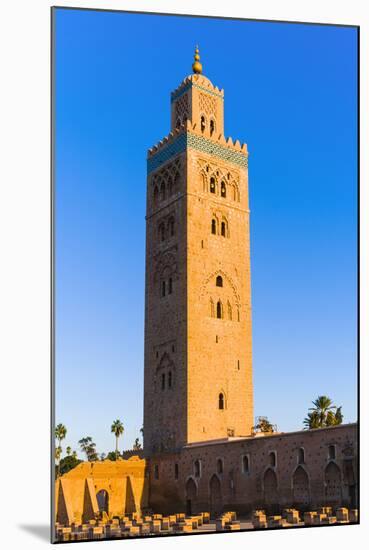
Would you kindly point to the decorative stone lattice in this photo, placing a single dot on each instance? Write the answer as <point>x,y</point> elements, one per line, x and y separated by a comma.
<point>182,108</point>
<point>207,104</point>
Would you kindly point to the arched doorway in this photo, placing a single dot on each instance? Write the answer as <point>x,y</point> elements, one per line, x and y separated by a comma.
<point>216,501</point>
<point>270,488</point>
<point>300,488</point>
<point>333,488</point>
<point>191,495</point>
<point>103,501</point>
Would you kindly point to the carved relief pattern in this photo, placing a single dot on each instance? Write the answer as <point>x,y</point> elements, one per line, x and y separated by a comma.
<point>230,178</point>
<point>182,108</point>
<point>207,104</point>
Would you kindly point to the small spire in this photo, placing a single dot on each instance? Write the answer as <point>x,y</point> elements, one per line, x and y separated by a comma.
<point>196,65</point>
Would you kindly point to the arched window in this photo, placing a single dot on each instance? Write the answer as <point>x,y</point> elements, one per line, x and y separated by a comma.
<point>219,281</point>
<point>170,187</point>
<point>176,182</point>
<point>272,459</point>
<point>163,381</point>
<point>220,466</point>
<point>156,195</point>
<point>213,226</point>
<point>176,471</point>
<point>238,313</point>
<point>156,471</point>
<point>203,124</point>
<point>171,227</point>
<point>178,123</point>
<point>245,464</point>
<point>212,185</point>
<point>212,127</point>
<point>170,285</point>
<point>197,468</point>
<point>163,288</point>
<point>219,310</point>
<point>223,190</point>
<point>169,379</point>
<point>301,456</point>
<point>221,401</point>
<point>332,452</point>
<point>223,229</point>
<point>229,311</point>
<point>162,191</point>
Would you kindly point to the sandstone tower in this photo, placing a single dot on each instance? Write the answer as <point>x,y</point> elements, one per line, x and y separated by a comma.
<point>198,361</point>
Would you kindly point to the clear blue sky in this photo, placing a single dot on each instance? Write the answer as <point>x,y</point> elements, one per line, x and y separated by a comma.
<point>291,94</point>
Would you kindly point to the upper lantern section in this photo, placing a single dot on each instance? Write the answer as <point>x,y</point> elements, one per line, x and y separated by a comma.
<point>198,100</point>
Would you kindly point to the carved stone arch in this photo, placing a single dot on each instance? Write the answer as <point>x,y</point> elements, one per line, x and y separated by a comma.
<point>229,311</point>
<point>167,260</point>
<point>215,495</point>
<point>300,486</point>
<point>225,277</point>
<point>203,122</point>
<point>333,484</point>
<point>204,181</point>
<point>270,487</point>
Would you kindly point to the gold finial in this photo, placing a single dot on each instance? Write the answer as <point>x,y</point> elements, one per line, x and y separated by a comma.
<point>196,65</point>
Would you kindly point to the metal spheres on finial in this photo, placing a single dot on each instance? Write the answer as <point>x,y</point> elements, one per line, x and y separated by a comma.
<point>196,65</point>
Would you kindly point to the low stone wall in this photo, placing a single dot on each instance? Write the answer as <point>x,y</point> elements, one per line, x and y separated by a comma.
<point>115,488</point>
<point>303,470</point>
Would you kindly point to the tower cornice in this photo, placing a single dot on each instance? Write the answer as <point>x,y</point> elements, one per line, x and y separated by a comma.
<point>197,81</point>
<point>189,136</point>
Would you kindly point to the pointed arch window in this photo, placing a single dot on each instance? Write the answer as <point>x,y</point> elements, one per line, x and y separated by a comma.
<point>301,456</point>
<point>170,187</point>
<point>169,379</point>
<point>162,191</point>
<point>212,185</point>
<point>212,127</point>
<point>163,288</point>
<point>221,401</point>
<point>203,123</point>
<point>197,468</point>
<point>163,381</point>
<point>245,464</point>
<point>220,466</point>
<point>170,285</point>
<point>213,227</point>
<point>156,195</point>
<point>223,229</point>
<point>176,182</point>
<point>178,123</point>
<point>223,190</point>
<point>171,227</point>
<point>219,310</point>
<point>219,280</point>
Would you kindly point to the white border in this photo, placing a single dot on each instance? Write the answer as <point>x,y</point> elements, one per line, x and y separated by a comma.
<point>24,240</point>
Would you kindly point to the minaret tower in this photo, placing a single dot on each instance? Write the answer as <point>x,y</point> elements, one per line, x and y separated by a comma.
<point>198,360</point>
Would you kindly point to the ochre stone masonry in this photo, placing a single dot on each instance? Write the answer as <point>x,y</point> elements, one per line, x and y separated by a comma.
<point>198,360</point>
<point>304,470</point>
<point>116,488</point>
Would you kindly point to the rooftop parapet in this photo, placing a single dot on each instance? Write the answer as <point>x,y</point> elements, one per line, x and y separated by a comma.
<point>199,81</point>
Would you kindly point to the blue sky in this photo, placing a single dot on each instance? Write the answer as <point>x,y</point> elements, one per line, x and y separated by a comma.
<point>291,95</point>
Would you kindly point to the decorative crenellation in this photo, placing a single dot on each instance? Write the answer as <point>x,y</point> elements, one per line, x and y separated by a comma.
<point>189,136</point>
<point>197,81</point>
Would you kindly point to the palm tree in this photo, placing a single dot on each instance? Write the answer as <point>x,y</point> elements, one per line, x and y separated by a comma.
<point>68,450</point>
<point>60,433</point>
<point>89,448</point>
<point>74,454</point>
<point>117,429</point>
<point>137,445</point>
<point>58,452</point>
<point>323,414</point>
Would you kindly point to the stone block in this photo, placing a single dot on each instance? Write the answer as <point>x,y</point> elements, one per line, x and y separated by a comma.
<point>165,524</point>
<point>134,530</point>
<point>342,514</point>
<point>145,529</point>
<point>183,527</point>
<point>354,516</point>
<point>234,526</point>
<point>293,516</point>
<point>155,526</point>
<point>205,517</point>
<point>308,517</point>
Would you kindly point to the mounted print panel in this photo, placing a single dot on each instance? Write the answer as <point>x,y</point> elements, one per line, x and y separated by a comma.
<point>205,277</point>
